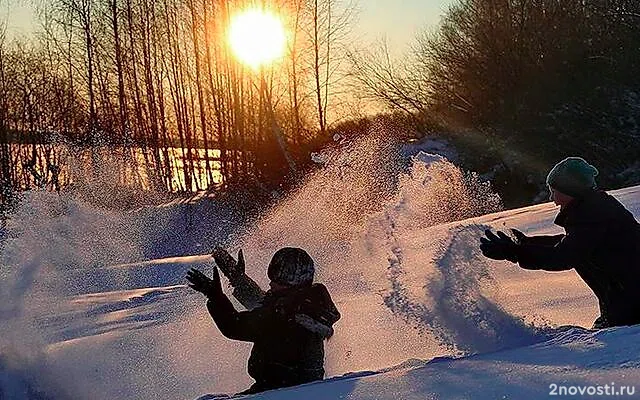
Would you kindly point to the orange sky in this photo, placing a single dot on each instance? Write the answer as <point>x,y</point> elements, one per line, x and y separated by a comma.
<point>395,20</point>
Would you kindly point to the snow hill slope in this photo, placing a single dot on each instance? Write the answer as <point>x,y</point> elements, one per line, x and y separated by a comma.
<point>86,314</point>
<point>574,362</point>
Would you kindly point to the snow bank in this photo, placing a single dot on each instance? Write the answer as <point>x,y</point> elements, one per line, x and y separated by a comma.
<point>94,302</point>
<point>574,360</point>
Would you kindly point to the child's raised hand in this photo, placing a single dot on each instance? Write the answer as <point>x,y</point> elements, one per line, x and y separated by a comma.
<point>231,268</point>
<point>201,283</point>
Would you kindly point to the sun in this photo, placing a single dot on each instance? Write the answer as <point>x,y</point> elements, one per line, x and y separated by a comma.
<point>257,37</point>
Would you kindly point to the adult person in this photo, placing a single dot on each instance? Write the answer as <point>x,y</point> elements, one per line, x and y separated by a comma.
<point>602,243</point>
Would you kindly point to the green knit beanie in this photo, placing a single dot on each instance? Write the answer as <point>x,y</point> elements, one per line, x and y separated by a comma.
<point>573,176</point>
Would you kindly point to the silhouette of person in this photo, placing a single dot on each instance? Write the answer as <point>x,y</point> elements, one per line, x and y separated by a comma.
<point>602,243</point>
<point>287,324</point>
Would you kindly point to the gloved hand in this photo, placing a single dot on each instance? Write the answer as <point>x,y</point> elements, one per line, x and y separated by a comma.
<point>200,283</point>
<point>499,247</point>
<point>520,237</point>
<point>232,269</point>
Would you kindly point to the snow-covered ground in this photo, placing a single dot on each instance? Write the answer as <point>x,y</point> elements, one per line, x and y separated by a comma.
<point>89,311</point>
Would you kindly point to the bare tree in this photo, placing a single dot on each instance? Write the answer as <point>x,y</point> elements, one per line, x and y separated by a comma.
<point>330,22</point>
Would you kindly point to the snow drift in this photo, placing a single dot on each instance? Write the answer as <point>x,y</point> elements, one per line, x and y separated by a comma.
<point>89,309</point>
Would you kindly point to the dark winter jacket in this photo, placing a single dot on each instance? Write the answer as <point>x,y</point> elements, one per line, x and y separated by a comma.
<point>602,243</point>
<point>288,330</point>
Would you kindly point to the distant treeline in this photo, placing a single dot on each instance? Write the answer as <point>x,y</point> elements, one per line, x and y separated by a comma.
<point>538,79</point>
<point>144,76</point>
<point>516,83</point>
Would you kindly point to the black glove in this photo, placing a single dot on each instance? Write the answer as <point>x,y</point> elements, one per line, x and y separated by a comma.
<point>521,238</point>
<point>499,247</point>
<point>199,282</point>
<point>232,269</point>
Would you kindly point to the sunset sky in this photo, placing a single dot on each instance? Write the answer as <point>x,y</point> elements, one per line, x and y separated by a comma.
<point>398,20</point>
<point>395,20</point>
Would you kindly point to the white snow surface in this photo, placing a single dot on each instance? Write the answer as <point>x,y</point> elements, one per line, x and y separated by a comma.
<point>86,314</point>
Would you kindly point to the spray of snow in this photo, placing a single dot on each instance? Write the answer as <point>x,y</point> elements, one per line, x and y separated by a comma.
<point>373,229</point>
<point>77,279</point>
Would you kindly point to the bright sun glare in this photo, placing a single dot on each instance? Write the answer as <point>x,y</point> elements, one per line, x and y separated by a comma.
<point>257,37</point>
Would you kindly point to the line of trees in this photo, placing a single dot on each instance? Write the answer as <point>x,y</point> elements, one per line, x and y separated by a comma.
<point>539,79</point>
<point>154,85</point>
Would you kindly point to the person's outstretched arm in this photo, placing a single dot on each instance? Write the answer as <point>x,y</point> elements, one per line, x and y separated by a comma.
<point>243,325</point>
<point>570,251</point>
<point>245,289</point>
<point>531,253</point>
<point>247,292</point>
<point>538,240</point>
<point>235,325</point>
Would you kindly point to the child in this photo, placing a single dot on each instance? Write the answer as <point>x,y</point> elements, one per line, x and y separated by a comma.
<point>287,324</point>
